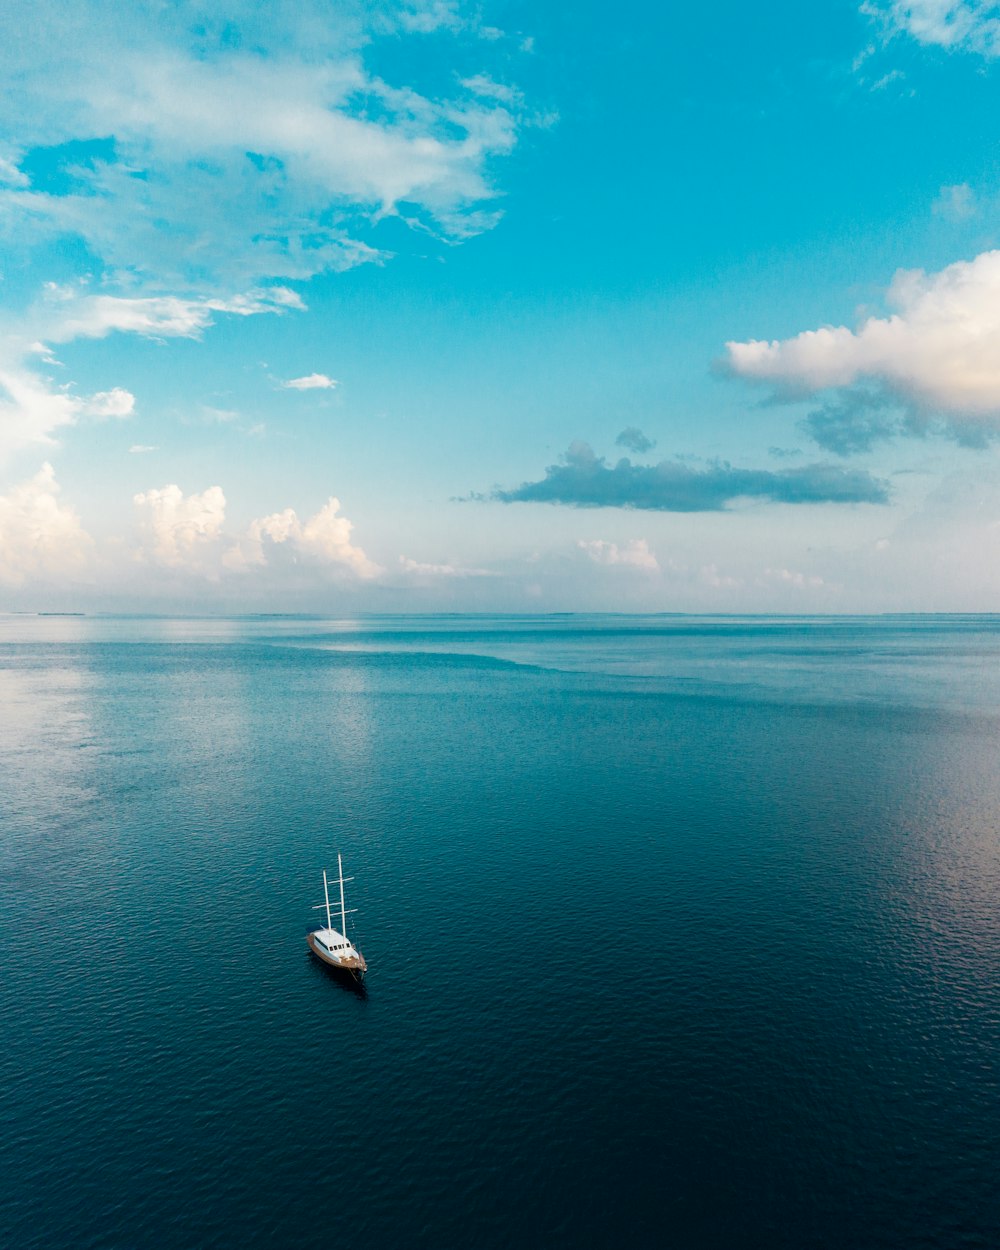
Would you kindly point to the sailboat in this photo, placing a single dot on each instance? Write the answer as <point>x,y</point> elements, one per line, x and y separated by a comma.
<point>332,947</point>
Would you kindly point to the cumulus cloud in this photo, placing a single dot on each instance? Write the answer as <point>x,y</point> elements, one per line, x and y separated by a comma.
<point>180,527</point>
<point>938,351</point>
<point>311,382</point>
<point>633,554</point>
<point>39,536</point>
<point>324,539</point>
<point>586,480</point>
<point>114,403</point>
<point>634,439</point>
<point>969,25</point>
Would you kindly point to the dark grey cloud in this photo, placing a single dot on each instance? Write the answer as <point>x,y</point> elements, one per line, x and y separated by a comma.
<point>634,439</point>
<point>853,421</point>
<point>586,480</point>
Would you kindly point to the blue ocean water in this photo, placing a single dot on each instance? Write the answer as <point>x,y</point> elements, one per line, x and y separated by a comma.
<point>682,932</point>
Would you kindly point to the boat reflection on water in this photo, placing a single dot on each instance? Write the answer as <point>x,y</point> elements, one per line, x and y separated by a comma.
<point>342,980</point>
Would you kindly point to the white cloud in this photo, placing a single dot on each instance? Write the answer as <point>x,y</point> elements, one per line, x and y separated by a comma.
<point>241,149</point>
<point>482,85</point>
<point>221,416</point>
<point>790,577</point>
<point>114,403</point>
<point>213,153</point>
<point>179,527</point>
<point>939,350</point>
<point>311,382</point>
<point>70,314</point>
<point>970,25</point>
<point>31,409</point>
<point>635,553</point>
<point>324,539</point>
<point>419,569</point>
<point>425,16</point>
<point>10,175</point>
<point>139,449</point>
<point>38,535</point>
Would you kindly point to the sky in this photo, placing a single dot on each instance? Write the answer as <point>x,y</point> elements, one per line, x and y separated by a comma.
<point>425,306</point>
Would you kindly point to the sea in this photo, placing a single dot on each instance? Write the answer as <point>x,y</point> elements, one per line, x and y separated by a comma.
<point>681,932</point>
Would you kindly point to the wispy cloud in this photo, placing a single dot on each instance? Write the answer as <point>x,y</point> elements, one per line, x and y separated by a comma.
<point>955,203</point>
<point>966,25</point>
<point>425,16</point>
<point>586,480</point>
<point>311,382</point>
<point>69,313</point>
<point>241,150</point>
<point>33,407</point>
<point>419,568</point>
<point>197,159</point>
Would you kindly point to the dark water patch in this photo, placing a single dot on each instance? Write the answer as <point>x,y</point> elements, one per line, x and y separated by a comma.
<point>707,966</point>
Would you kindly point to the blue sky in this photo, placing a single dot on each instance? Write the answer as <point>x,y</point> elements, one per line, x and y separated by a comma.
<point>425,305</point>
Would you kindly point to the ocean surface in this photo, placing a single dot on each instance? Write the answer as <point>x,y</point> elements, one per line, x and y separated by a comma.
<point>681,932</point>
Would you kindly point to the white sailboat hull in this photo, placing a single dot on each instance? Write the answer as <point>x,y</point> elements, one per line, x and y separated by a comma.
<point>354,964</point>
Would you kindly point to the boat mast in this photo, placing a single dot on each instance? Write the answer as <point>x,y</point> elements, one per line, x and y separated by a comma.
<point>343,914</point>
<point>326,894</point>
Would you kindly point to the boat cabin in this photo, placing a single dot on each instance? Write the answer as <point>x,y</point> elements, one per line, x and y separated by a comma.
<point>335,944</point>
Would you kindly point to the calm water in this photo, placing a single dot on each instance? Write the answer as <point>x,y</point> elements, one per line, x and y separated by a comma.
<point>681,933</point>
